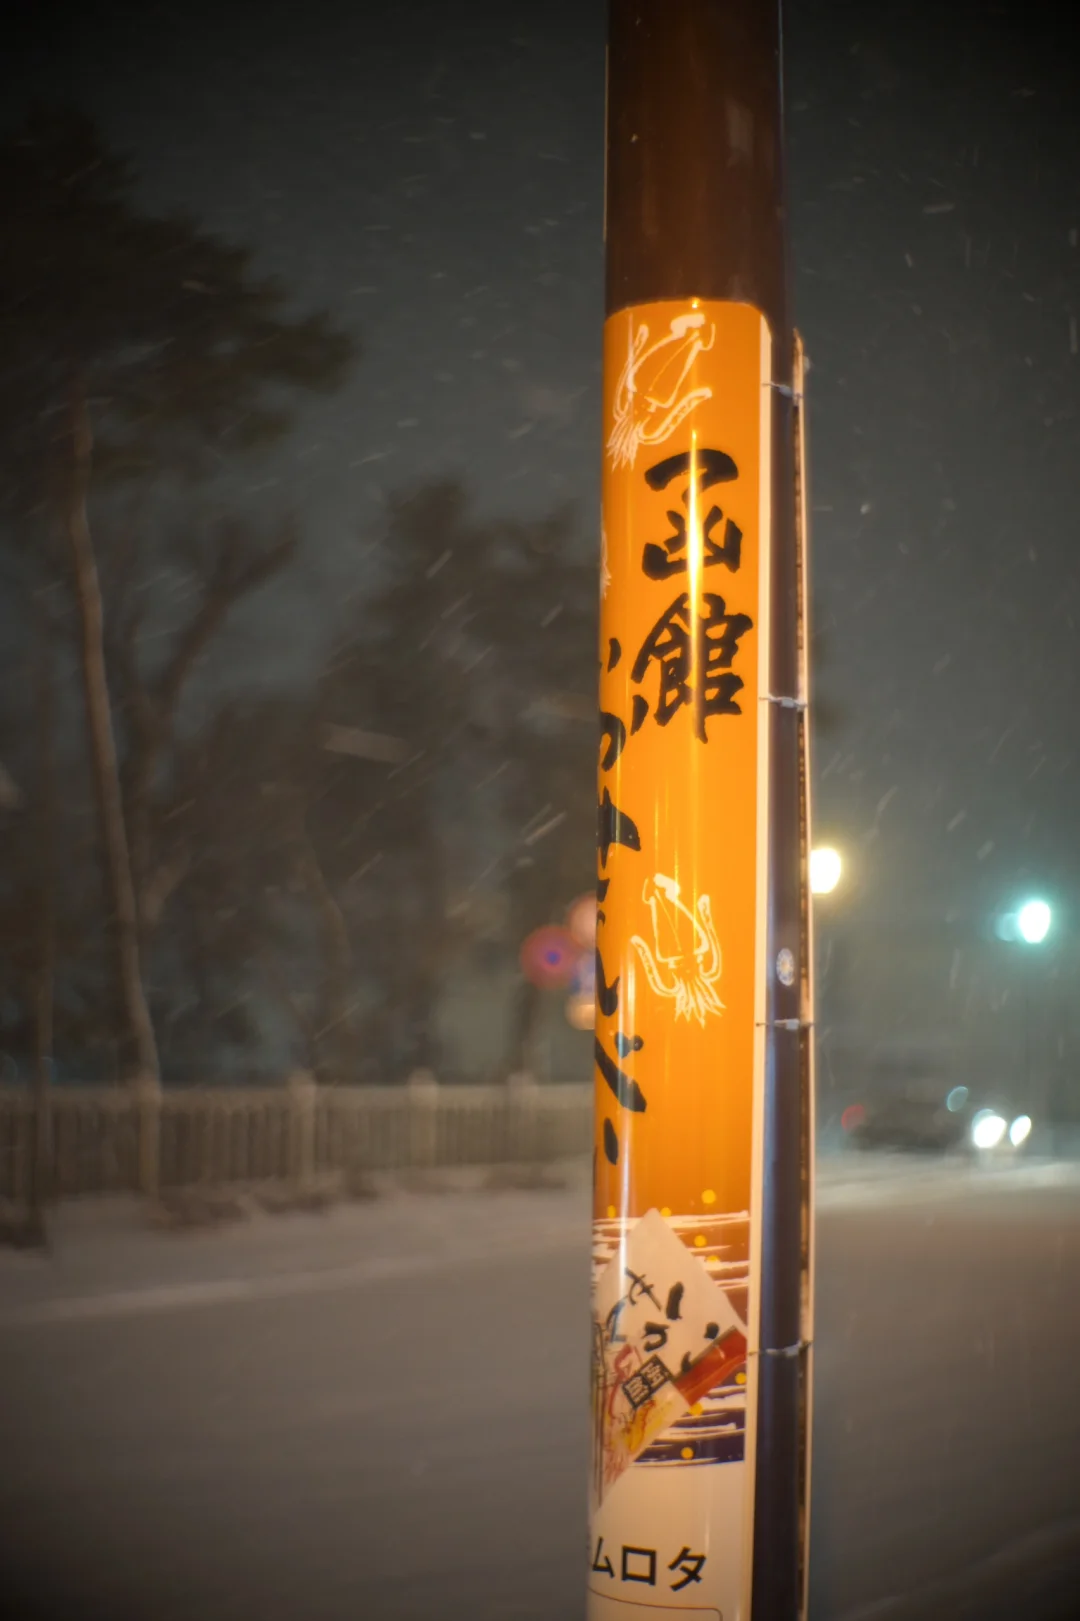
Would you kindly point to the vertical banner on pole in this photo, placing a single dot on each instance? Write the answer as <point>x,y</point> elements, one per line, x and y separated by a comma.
<point>681,956</point>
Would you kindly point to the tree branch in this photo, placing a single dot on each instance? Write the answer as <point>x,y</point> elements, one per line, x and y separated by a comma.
<point>234,578</point>
<point>161,885</point>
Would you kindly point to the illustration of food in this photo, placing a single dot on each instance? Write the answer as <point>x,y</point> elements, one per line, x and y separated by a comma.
<point>653,394</point>
<point>684,960</point>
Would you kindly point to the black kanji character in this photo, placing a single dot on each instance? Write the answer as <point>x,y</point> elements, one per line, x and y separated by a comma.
<point>607,996</point>
<point>611,1144</point>
<point>694,654</point>
<point>636,1391</point>
<point>654,1373</point>
<point>613,730</point>
<point>640,1287</point>
<point>660,562</point>
<point>625,1089</point>
<point>613,826</point>
<point>690,1564</point>
<point>655,1336</point>
<point>643,1385</point>
<point>714,467</point>
<point>674,1302</point>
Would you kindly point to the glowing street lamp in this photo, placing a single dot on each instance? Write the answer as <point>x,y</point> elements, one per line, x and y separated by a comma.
<point>1029,925</point>
<point>825,870</point>
<point>1033,922</point>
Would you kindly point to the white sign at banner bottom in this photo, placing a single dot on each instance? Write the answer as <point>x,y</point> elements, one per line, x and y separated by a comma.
<point>654,1544</point>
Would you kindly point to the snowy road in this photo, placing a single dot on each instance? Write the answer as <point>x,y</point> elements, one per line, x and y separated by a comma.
<point>380,1413</point>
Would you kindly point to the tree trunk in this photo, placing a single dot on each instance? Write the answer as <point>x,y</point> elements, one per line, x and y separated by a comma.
<point>438,953</point>
<point>525,1016</point>
<point>136,803</point>
<point>40,1190</point>
<point>336,1030</point>
<point>293,1006</point>
<point>154,881</point>
<point>103,756</point>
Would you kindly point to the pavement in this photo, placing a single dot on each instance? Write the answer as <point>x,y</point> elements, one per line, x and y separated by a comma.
<point>378,1412</point>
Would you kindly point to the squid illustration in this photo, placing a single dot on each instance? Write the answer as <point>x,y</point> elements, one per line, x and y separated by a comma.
<point>653,394</point>
<point>684,959</point>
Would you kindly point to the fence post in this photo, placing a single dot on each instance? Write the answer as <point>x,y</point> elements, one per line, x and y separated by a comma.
<point>21,1149</point>
<point>422,1092</point>
<point>302,1096</point>
<point>148,1131</point>
<point>523,1117</point>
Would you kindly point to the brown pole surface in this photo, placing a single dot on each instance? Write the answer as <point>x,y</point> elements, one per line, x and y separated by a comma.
<point>694,203</point>
<point>695,209</point>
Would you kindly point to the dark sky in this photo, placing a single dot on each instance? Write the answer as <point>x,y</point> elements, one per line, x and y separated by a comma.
<point>433,173</point>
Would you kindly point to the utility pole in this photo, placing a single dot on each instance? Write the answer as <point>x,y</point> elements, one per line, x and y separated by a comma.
<point>702,1293</point>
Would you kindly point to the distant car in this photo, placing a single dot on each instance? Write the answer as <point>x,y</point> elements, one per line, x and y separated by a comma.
<point>934,1125</point>
<point>914,1125</point>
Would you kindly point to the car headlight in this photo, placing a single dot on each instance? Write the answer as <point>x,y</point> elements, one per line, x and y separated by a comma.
<point>1020,1130</point>
<point>988,1128</point>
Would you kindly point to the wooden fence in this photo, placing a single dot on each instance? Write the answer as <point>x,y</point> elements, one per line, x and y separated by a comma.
<point>109,1140</point>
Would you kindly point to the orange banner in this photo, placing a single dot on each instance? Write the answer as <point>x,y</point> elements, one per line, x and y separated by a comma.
<point>682,769</point>
<point>680,983</point>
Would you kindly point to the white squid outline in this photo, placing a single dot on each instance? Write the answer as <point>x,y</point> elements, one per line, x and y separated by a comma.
<point>693,974</point>
<point>650,413</point>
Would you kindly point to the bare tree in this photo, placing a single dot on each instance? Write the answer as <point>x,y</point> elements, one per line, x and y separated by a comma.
<point>103,756</point>
<point>44,812</point>
<point>223,564</point>
<point>158,340</point>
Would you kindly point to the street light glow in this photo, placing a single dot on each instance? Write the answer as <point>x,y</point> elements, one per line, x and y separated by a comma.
<point>825,869</point>
<point>1033,921</point>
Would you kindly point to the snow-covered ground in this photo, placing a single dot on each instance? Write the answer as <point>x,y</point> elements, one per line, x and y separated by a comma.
<point>106,1258</point>
<point>379,1412</point>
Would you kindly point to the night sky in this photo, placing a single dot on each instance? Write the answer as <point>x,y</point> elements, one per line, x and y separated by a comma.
<point>433,174</point>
